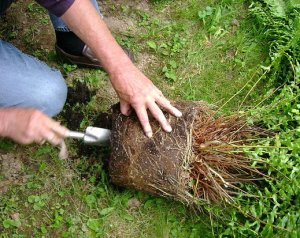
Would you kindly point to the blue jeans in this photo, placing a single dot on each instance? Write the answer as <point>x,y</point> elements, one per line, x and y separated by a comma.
<point>59,25</point>
<point>26,81</point>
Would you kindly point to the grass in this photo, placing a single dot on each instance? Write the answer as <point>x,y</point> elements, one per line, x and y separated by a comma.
<point>188,56</point>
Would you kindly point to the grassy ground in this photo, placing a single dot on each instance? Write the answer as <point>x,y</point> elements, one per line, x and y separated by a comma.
<point>192,50</point>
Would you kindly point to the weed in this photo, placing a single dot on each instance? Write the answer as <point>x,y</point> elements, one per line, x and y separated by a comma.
<point>69,67</point>
<point>38,201</point>
<point>6,145</point>
<point>170,70</point>
<point>203,14</point>
<point>8,223</point>
<point>277,196</point>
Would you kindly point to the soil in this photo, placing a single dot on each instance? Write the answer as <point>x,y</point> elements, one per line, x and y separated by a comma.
<point>10,171</point>
<point>133,203</point>
<point>153,165</point>
<point>27,29</point>
<point>103,120</point>
<point>78,96</point>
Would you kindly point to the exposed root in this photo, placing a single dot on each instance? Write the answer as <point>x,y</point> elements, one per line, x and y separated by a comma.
<point>218,166</point>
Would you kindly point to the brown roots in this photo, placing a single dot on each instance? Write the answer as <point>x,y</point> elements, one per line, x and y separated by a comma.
<point>219,162</point>
<point>201,160</point>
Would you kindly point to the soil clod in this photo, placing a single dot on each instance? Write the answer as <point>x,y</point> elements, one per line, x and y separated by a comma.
<point>201,159</point>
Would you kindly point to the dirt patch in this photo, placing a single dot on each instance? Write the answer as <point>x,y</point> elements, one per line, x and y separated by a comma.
<point>137,4</point>
<point>103,120</point>
<point>133,203</point>
<point>79,93</point>
<point>11,166</point>
<point>27,26</point>
<point>120,24</point>
<point>10,171</point>
<point>78,96</point>
<point>145,61</point>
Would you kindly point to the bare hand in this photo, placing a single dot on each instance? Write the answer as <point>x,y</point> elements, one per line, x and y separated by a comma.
<point>26,125</point>
<point>137,91</point>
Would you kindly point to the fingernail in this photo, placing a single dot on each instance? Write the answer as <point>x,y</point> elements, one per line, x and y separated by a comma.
<point>168,128</point>
<point>178,113</point>
<point>149,134</point>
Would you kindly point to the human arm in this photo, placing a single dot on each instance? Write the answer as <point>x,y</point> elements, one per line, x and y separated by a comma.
<point>134,89</point>
<point>28,125</point>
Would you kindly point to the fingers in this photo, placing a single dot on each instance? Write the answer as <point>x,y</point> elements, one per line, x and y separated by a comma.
<point>160,117</point>
<point>41,141</point>
<point>28,125</point>
<point>58,129</point>
<point>154,108</point>
<point>165,103</point>
<point>144,120</point>
<point>47,135</point>
<point>55,133</point>
<point>125,108</point>
<point>49,130</point>
<point>54,138</point>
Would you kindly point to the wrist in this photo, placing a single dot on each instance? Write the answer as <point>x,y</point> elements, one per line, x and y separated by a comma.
<point>117,61</point>
<point>119,69</point>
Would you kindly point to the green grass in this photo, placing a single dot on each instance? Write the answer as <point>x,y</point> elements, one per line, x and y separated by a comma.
<point>197,61</point>
<point>186,58</point>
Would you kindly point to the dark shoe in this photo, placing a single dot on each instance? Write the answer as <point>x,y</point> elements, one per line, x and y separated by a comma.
<point>87,59</point>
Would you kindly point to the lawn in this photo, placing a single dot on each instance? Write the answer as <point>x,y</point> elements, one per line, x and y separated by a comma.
<point>192,50</point>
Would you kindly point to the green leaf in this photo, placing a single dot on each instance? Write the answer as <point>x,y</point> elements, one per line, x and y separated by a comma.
<point>11,223</point>
<point>152,45</point>
<point>173,64</point>
<point>278,7</point>
<point>204,13</point>
<point>90,200</point>
<point>31,198</point>
<point>42,167</point>
<point>163,45</point>
<point>171,75</point>
<point>94,224</point>
<point>127,217</point>
<point>294,4</point>
<point>201,14</point>
<point>44,196</point>
<point>43,230</point>
<point>7,223</point>
<point>106,211</point>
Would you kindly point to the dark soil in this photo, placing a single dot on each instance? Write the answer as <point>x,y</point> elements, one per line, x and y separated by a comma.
<point>103,120</point>
<point>78,96</point>
<point>79,93</point>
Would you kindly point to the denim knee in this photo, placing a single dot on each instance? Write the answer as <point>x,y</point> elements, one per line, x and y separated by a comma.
<point>51,97</point>
<point>28,82</point>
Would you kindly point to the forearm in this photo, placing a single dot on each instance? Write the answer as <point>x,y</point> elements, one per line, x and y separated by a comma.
<point>84,20</point>
<point>134,89</point>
